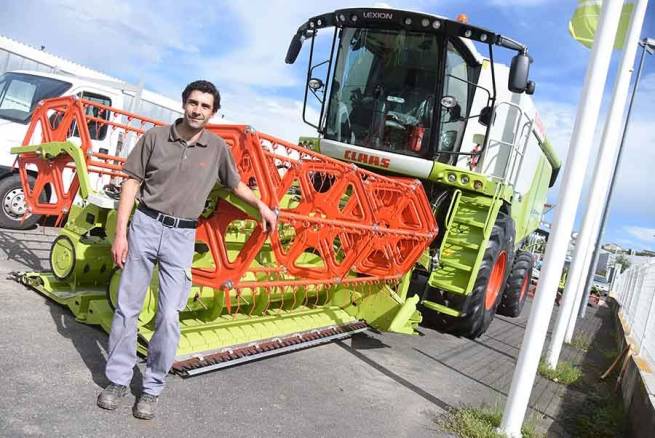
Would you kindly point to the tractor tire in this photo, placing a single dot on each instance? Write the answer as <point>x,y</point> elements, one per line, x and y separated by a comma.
<point>480,307</point>
<point>516,288</point>
<point>13,205</point>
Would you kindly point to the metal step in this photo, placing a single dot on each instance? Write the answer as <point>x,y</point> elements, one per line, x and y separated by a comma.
<point>470,222</point>
<point>462,242</point>
<point>225,357</point>
<point>454,264</point>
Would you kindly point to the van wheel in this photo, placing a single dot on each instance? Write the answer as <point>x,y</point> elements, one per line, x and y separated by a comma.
<point>14,206</point>
<point>516,289</point>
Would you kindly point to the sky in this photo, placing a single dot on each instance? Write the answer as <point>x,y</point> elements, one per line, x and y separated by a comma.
<point>240,46</point>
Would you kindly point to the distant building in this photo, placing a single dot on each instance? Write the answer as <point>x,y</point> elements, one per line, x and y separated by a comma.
<point>605,264</point>
<point>638,259</point>
<point>612,247</point>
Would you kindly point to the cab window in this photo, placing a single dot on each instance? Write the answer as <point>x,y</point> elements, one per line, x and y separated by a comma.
<point>453,118</point>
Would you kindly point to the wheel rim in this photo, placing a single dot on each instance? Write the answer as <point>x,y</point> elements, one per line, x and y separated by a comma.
<point>62,257</point>
<point>524,287</point>
<point>495,281</point>
<point>13,203</point>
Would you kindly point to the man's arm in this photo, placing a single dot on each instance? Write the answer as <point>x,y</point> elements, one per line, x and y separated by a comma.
<point>269,218</point>
<point>128,194</point>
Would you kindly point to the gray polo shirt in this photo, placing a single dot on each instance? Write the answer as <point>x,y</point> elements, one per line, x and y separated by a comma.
<point>176,177</point>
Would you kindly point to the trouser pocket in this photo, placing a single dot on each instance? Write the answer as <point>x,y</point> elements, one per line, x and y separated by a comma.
<point>186,289</point>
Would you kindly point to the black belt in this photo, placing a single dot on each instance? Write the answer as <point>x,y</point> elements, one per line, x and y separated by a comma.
<point>168,221</point>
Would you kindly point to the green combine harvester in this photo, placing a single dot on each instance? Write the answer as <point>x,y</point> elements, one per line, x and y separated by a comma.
<point>405,93</point>
<point>430,170</point>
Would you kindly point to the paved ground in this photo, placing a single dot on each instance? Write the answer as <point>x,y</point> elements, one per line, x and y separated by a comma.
<point>382,385</point>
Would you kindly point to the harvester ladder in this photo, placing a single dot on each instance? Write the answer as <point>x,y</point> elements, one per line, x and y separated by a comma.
<point>464,241</point>
<point>517,144</point>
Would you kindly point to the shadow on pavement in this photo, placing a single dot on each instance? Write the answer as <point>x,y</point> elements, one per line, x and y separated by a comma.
<point>90,342</point>
<point>361,341</point>
<point>20,251</point>
<point>387,372</point>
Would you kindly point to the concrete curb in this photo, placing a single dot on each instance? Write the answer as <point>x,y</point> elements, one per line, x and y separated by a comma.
<point>637,383</point>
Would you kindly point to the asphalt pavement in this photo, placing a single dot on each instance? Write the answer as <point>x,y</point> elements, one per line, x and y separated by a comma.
<point>372,385</point>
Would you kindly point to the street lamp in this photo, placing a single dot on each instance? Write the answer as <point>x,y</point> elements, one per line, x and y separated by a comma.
<point>648,45</point>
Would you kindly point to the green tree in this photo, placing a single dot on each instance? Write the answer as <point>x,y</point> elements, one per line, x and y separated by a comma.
<point>622,260</point>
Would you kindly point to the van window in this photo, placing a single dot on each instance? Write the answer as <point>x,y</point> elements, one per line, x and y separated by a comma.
<point>97,130</point>
<point>19,94</point>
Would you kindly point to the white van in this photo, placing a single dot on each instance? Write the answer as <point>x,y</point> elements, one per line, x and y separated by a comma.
<point>21,91</point>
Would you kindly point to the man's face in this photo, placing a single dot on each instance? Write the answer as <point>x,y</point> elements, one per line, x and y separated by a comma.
<point>198,108</point>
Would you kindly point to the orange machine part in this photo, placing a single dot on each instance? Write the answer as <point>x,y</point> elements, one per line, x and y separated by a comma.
<point>365,227</point>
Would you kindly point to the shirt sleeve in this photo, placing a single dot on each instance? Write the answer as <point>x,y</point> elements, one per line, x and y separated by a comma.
<point>228,175</point>
<point>137,161</point>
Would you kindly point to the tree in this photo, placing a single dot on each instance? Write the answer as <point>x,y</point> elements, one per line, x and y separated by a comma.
<point>622,260</point>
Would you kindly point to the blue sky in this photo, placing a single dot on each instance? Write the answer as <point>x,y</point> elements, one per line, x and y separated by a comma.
<point>241,46</point>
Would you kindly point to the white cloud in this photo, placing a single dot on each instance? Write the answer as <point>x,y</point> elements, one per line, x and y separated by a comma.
<point>278,116</point>
<point>263,31</point>
<point>643,234</point>
<point>633,202</point>
<point>125,37</point>
<point>558,118</point>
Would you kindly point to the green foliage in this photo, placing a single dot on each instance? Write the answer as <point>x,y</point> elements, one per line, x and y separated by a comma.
<point>609,353</point>
<point>622,260</point>
<point>467,422</point>
<point>581,342</point>
<point>603,416</point>
<point>565,373</point>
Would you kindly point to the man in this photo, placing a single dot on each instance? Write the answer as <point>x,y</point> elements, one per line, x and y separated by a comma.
<point>173,169</point>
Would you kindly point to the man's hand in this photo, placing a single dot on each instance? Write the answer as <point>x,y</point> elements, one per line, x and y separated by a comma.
<point>268,217</point>
<point>119,247</point>
<point>119,250</point>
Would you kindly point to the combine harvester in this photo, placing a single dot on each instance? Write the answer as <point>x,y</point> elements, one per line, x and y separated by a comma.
<point>409,94</point>
<point>353,248</point>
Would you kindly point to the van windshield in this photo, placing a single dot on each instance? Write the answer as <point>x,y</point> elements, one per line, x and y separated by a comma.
<point>20,92</point>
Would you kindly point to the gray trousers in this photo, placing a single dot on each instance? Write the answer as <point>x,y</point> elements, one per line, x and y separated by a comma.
<point>150,242</point>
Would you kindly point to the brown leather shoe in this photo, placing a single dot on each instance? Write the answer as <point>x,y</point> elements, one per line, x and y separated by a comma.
<point>145,407</point>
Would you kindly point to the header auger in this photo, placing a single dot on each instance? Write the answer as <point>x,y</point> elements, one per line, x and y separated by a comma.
<point>339,260</point>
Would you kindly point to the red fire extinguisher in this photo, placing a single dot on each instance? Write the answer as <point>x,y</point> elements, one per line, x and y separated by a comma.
<point>416,138</point>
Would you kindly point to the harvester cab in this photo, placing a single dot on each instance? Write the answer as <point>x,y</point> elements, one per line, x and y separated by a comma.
<point>401,83</point>
<point>407,93</point>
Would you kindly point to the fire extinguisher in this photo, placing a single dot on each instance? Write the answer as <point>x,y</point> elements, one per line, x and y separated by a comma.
<point>416,138</point>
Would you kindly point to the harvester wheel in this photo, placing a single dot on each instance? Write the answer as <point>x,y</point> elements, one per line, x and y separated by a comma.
<point>62,257</point>
<point>12,200</point>
<point>516,289</point>
<point>487,290</point>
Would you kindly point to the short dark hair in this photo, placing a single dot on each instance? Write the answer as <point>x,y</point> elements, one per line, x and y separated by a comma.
<point>204,87</point>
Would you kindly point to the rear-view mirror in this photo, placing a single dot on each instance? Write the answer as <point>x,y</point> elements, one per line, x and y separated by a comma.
<point>518,73</point>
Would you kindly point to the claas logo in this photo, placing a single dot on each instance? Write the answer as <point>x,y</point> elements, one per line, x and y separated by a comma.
<point>363,158</point>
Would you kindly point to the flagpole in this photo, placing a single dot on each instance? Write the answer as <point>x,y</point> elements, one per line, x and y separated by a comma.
<point>572,180</point>
<point>597,195</point>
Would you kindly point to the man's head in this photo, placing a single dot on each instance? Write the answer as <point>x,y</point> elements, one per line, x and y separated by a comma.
<point>200,101</point>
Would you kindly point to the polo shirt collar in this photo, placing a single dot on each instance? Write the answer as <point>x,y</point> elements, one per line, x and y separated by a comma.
<point>173,135</point>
